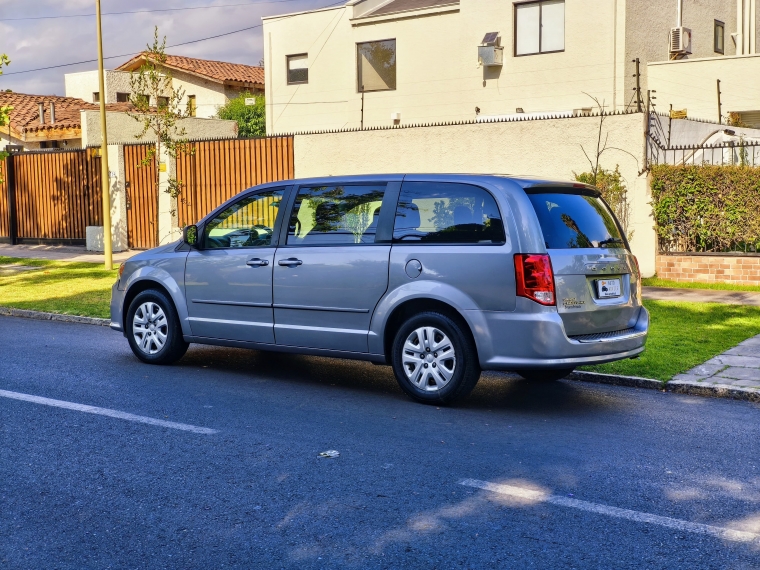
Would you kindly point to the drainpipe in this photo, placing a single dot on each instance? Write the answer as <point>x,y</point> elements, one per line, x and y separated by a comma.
<point>42,113</point>
<point>52,113</point>
<point>679,17</point>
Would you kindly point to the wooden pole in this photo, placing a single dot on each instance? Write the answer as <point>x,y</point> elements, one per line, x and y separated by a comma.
<point>105,173</point>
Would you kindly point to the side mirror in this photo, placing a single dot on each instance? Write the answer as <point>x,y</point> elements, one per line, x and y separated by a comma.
<point>190,236</point>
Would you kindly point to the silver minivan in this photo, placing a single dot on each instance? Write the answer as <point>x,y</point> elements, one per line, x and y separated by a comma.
<point>439,276</point>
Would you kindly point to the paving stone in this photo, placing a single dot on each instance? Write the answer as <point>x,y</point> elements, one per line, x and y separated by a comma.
<point>743,361</point>
<point>744,351</point>
<point>686,379</point>
<point>709,368</point>
<point>740,373</point>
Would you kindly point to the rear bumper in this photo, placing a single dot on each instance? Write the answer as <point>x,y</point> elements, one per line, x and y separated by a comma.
<point>536,340</point>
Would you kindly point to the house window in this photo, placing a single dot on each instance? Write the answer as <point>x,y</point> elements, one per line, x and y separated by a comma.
<point>163,102</point>
<point>539,27</point>
<point>298,70</point>
<point>376,65</point>
<point>96,97</point>
<point>720,36</point>
<point>191,105</point>
<point>122,97</point>
<point>140,100</point>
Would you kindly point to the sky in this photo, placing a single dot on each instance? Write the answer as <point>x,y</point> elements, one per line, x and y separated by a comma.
<point>52,38</point>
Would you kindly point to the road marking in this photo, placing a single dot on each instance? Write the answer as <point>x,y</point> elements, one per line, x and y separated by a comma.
<point>542,497</point>
<point>105,412</point>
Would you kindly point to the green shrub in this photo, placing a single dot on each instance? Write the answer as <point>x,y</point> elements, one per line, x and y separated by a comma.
<point>614,191</point>
<point>706,208</point>
<point>251,119</point>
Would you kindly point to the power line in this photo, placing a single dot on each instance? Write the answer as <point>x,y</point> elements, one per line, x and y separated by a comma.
<point>146,11</point>
<point>137,52</point>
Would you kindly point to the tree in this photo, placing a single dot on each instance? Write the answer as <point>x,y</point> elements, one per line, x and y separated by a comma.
<point>251,119</point>
<point>5,114</point>
<point>612,187</point>
<point>158,107</point>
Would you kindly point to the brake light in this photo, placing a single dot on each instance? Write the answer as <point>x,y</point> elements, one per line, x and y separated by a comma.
<point>535,278</point>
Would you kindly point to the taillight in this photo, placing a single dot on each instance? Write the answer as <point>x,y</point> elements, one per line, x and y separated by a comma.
<point>535,278</point>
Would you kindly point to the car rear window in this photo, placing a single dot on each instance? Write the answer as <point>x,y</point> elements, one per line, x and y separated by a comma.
<point>575,220</point>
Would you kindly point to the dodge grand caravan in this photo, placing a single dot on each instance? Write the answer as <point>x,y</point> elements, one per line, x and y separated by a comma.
<point>439,276</point>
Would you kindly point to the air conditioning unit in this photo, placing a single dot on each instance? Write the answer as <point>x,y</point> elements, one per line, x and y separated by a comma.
<point>490,52</point>
<point>680,40</point>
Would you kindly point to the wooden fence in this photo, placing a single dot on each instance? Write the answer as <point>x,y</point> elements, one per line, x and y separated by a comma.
<point>142,197</point>
<point>217,170</point>
<point>57,195</point>
<point>4,229</point>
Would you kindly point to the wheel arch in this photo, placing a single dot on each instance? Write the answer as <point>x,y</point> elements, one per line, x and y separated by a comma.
<point>140,285</point>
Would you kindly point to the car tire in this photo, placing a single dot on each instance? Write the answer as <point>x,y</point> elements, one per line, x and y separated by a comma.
<point>434,360</point>
<point>545,375</point>
<point>153,329</point>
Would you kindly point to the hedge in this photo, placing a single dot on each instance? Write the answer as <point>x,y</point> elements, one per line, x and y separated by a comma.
<point>706,208</point>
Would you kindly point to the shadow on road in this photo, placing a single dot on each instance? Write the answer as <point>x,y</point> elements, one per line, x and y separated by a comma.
<point>495,391</point>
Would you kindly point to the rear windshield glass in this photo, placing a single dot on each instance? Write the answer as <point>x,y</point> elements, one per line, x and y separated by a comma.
<point>571,221</point>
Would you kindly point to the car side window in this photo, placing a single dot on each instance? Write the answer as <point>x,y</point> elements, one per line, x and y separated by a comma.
<point>249,222</point>
<point>336,215</point>
<point>444,212</point>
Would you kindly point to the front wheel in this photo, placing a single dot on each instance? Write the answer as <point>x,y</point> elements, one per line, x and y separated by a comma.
<point>434,360</point>
<point>153,329</point>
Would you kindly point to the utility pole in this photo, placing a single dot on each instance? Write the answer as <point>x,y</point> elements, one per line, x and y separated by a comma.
<point>720,114</point>
<point>105,173</point>
<point>637,89</point>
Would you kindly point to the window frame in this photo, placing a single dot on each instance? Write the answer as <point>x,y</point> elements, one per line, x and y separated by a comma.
<point>284,204</point>
<point>356,57</point>
<point>540,19</point>
<point>192,105</point>
<point>457,244</point>
<point>123,96</point>
<point>722,25</point>
<point>384,231</point>
<point>287,69</point>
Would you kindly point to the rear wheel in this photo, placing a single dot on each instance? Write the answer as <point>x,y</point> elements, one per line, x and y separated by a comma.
<point>545,375</point>
<point>153,329</point>
<point>434,360</point>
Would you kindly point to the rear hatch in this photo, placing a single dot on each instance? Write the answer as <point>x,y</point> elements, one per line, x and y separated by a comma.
<point>595,274</point>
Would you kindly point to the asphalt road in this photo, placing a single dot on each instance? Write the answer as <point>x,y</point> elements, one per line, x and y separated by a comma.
<point>81,490</point>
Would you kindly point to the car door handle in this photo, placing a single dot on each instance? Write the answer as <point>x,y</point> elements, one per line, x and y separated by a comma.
<point>256,262</point>
<point>290,262</point>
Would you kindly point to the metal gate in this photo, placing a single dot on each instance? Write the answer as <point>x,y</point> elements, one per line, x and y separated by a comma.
<point>142,197</point>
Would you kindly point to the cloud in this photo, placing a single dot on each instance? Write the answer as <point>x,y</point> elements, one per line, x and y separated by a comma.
<point>36,43</point>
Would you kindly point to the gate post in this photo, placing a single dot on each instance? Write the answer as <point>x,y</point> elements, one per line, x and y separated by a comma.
<point>10,176</point>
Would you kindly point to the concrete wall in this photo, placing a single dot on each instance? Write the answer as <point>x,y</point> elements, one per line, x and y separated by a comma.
<point>123,129</point>
<point>691,84</point>
<point>438,75</point>
<point>547,148</point>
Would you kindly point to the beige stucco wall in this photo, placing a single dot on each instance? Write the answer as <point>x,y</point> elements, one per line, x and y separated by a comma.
<point>82,85</point>
<point>647,29</point>
<point>438,75</point>
<point>546,148</point>
<point>691,85</point>
<point>209,96</point>
<point>123,129</point>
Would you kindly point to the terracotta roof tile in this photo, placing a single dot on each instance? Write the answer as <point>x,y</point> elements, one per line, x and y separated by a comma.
<point>220,71</point>
<point>25,115</point>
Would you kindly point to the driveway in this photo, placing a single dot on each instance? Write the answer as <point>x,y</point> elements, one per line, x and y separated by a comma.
<point>213,463</point>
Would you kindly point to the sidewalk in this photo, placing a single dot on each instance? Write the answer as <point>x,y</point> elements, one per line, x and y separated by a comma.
<point>736,370</point>
<point>60,253</point>
<point>702,296</point>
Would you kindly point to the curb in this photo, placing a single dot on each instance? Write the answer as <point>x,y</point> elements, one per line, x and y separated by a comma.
<point>8,312</point>
<point>674,386</point>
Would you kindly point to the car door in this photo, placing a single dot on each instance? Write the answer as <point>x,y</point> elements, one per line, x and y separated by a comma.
<point>228,281</point>
<point>332,269</point>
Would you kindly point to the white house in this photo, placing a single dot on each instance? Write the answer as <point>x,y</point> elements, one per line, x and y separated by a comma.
<point>207,84</point>
<point>382,62</point>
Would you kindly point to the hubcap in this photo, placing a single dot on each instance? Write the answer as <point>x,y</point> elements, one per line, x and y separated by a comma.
<point>150,327</point>
<point>429,359</point>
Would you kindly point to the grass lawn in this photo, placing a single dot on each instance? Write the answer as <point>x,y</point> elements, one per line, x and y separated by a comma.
<point>657,282</point>
<point>682,335</point>
<point>82,289</point>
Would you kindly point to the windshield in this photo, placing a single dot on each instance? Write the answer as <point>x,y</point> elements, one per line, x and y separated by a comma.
<point>570,221</point>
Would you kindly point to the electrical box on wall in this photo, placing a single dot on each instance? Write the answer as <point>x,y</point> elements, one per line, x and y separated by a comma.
<point>490,53</point>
